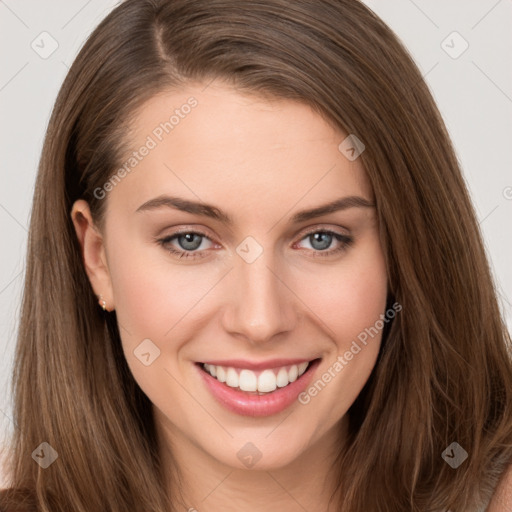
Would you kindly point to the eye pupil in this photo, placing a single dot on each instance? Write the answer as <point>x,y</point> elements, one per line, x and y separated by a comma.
<point>191,241</point>
<point>325,240</point>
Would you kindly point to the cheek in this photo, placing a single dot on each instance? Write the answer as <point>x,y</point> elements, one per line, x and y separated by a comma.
<point>350,296</point>
<point>161,301</point>
<point>351,307</point>
<point>151,292</point>
<point>155,300</point>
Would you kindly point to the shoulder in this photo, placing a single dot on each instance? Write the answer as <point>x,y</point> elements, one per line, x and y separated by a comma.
<point>502,498</point>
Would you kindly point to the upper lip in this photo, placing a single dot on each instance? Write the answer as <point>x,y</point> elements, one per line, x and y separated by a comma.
<point>252,365</point>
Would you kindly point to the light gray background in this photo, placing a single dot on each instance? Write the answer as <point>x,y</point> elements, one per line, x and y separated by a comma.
<point>473,92</point>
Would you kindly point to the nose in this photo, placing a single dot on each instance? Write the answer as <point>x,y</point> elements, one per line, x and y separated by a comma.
<point>262,304</point>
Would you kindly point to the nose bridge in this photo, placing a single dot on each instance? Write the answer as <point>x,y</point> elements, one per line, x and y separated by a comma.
<point>261,305</point>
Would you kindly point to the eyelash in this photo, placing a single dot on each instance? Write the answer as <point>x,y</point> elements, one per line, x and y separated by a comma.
<point>345,242</point>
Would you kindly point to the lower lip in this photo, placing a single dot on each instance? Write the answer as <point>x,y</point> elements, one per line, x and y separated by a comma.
<point>248,404</point>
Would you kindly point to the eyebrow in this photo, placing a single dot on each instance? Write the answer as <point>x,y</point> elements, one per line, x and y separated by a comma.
<point>207,210</point>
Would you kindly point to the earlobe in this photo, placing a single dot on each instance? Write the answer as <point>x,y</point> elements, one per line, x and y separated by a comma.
<point>93,253</point>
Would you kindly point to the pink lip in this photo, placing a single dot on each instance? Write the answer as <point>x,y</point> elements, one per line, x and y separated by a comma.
<point>248,404</point>
<point>263,365</point>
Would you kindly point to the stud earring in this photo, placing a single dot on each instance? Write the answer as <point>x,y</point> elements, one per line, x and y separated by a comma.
<point>103,303</point>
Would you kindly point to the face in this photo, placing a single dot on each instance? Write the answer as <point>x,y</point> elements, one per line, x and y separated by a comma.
<point>240,297</point>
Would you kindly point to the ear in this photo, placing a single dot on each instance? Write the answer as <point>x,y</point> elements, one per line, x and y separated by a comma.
<point>93,252</point>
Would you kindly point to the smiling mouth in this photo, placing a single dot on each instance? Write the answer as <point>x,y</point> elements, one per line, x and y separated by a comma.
<point>257,382</point>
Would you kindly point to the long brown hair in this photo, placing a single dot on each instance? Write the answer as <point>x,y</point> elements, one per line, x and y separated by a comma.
<point>444,372</point>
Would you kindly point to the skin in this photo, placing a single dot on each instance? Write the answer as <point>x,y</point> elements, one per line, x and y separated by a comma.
<point>260,161</point>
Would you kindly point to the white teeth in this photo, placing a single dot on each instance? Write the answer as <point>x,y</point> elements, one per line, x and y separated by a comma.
<point>293,373</point>
<point>248,381</point>
<point>221,374</point>
<point>302,367</point>
<point>282,378</point>
<point>266,382</point>
<point>232,378</point>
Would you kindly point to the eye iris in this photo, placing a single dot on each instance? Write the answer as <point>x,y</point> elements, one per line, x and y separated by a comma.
<point>325,240</point>
<point>190,244</point>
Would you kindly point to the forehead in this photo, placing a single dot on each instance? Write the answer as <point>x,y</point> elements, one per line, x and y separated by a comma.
<point>223,146</point>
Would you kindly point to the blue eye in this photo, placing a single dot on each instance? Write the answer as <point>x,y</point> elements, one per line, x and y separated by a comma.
<point>320,240</point>
<point>189,243</point>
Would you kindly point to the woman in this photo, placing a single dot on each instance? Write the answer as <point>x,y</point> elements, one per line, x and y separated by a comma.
<point>255,278</point>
